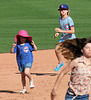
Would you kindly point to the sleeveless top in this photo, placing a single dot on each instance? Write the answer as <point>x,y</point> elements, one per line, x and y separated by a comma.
<point>80,79</point>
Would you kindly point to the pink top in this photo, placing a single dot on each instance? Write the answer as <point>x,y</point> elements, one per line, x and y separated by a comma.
<point>80,80</point>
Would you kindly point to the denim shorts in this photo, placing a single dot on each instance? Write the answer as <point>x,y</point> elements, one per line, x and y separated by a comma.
<point>78,97</point>
<point>22,68</point>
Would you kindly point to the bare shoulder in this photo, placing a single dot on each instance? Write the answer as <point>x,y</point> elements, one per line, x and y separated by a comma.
<point>74,62</point>
<point>71,65</point>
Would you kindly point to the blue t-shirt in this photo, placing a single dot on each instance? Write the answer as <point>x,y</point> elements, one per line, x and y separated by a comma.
<point>24,54</point>
<point>66,24</point>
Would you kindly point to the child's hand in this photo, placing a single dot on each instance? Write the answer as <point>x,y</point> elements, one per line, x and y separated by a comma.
<point>32,42</point>
<point>12,49</point>
<point>56,35</point>
<point>34,46</point>
<point>14,44</point>
<point>58,30</point>
<point>53,95</point>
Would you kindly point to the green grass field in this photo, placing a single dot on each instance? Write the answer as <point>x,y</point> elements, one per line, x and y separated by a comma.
<point>39,18</point>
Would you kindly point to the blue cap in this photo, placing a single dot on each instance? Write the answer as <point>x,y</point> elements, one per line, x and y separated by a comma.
<point>63,6</point>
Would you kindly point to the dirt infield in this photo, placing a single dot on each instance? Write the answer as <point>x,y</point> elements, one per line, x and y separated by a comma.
<point>42,72</point>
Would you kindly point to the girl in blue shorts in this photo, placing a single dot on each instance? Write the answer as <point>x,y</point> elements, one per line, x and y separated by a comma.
<point>23,47</point>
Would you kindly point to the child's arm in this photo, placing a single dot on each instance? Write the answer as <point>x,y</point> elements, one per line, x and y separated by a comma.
<point>71,31</point>
<point>56,35</point>
<point>59,78</point>
<point>58,30</point>
<point>12,49</point>
<point>34,46</point>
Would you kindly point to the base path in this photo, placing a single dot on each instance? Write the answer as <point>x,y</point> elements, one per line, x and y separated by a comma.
<point>42,72</point>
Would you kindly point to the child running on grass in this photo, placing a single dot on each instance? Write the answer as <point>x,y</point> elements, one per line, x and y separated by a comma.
<point>67,30</point>
<point>23,47</point>
<point>79,51</point>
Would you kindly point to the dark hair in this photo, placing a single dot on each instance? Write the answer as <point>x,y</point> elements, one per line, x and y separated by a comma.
<point>18,40</point>
<point>71,49</point>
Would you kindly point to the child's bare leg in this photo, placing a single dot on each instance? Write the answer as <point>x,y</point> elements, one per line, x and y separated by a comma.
<point>23,80</point>
<point>27,73</point>
<point>23,83</point>
<point>58,54</point>
<point>59,57</point>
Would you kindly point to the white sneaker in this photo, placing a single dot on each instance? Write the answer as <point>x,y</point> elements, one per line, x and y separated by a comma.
<point>23,91</point>
<point>32,85</point>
